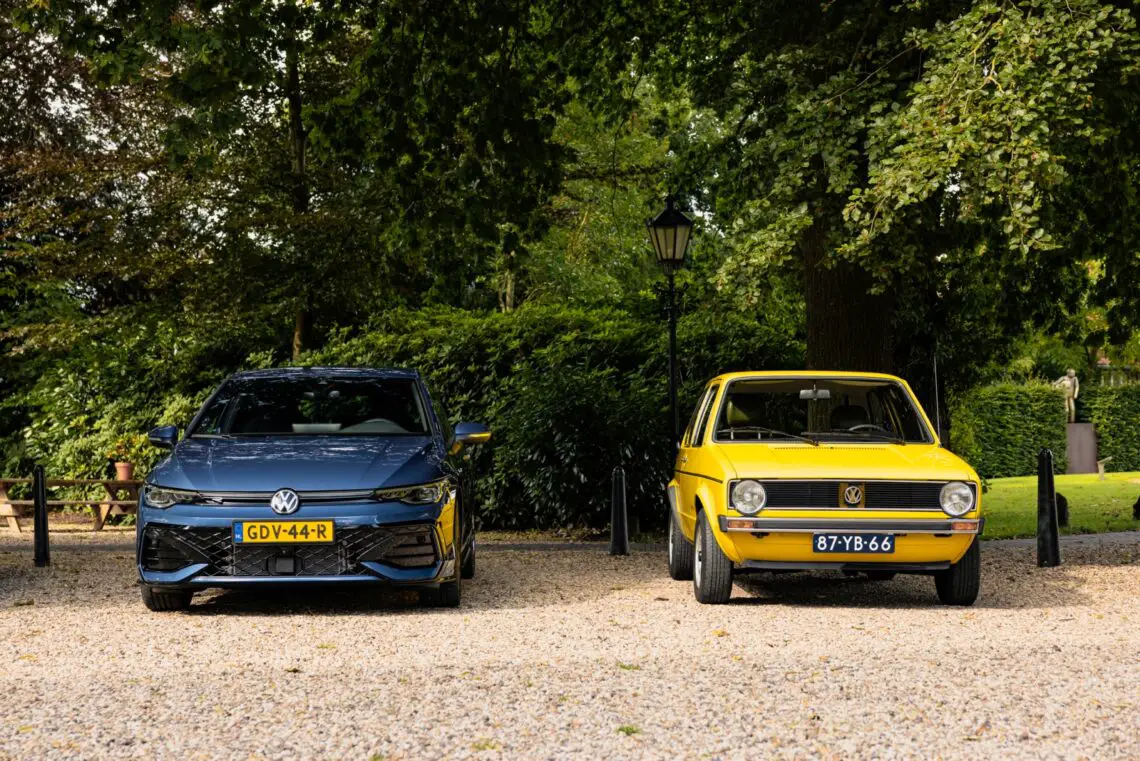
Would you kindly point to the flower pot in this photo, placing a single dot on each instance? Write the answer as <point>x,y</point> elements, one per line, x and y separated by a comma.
<point>124,471</point>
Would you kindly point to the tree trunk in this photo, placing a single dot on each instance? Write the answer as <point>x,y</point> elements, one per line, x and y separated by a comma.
<point>507,292</point>
<point>300,318</point>
<point>300,185</point>
<point>297,136</point>
<point>507,284</point>
<point>848,328</point>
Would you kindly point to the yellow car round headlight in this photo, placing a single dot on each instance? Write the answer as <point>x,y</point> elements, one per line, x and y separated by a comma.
<point>957,499</point>
<point>749,497</point>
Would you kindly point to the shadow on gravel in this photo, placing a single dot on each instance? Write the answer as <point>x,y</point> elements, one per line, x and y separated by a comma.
<point>506,580</point>
<point>307,601</point>
<point>1010,579</point>
<point>1003,588</point>
<point>524,580</point>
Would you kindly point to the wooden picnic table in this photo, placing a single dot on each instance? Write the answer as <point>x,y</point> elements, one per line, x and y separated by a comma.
<point>122,499</point>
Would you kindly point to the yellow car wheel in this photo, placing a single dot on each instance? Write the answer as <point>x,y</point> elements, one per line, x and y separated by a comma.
<point>712,570</point>
<point>680,552</point>
<point>960,583</point>
<point>467,570</point>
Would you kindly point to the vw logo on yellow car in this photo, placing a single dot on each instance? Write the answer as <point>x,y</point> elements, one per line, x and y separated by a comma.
<point>285,502</point>
<point>853,496</point>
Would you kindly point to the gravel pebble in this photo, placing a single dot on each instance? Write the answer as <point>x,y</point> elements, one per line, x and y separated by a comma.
<point>577,654</point>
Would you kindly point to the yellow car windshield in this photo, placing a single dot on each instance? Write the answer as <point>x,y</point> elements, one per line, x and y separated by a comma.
<point>820,409</point>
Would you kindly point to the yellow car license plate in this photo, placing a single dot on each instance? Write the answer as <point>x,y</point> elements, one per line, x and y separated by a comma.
<point>283,532</point>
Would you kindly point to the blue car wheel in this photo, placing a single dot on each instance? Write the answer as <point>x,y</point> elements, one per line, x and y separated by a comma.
<point>161,600</point>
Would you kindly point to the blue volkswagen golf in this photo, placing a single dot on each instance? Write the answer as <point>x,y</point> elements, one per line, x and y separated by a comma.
<point>310,475</point>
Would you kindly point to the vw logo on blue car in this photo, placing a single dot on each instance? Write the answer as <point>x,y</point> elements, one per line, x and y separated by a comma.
<point>285,502</point>
<point>385,479</point>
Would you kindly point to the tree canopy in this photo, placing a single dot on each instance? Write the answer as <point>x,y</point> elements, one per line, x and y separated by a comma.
<point>218,183</point>
<point>930,170</point>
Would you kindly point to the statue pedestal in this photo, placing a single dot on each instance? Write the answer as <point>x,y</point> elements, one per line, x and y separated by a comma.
<point>1081,441</point>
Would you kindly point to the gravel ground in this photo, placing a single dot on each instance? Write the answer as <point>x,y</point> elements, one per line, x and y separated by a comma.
<point>577,655</point>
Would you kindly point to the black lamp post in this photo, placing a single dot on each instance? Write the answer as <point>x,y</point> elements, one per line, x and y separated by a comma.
<point>669,232</point>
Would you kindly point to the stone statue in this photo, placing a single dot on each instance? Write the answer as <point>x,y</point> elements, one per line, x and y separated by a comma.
<point>1072,388</point>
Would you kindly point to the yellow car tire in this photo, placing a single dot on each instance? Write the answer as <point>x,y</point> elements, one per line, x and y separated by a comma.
<point>712,570</point>
<point>467,570</point>
<point>960,583</point>
<point>680,552</point>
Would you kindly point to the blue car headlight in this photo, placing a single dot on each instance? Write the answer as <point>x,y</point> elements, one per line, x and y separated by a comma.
<point>162,498</point>
<point>420,494</point>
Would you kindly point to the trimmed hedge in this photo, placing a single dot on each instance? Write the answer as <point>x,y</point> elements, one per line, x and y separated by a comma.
<point>1086,400</point>
<point>999,429</point>
<point>569,394</point>
<point>1115,411</point>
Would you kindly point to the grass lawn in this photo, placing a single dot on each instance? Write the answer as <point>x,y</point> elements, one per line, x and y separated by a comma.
<point>1095,506</point>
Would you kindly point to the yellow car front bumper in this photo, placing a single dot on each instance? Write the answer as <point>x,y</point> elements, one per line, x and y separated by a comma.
<point>787,543</point>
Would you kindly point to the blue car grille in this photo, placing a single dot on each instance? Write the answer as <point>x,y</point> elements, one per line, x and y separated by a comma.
<point>169,548</point>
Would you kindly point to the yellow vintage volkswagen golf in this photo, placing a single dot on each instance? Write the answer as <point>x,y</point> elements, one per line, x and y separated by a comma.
<point>781,471</point>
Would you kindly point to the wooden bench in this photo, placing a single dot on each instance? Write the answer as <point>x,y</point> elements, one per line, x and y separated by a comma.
<point>122,499</point>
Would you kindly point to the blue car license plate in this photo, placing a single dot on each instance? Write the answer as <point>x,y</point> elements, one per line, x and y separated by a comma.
<point>878,544</point>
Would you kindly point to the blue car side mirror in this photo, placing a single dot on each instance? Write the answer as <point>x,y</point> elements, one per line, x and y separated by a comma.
<point>470,433</point>
<point>164,437</point>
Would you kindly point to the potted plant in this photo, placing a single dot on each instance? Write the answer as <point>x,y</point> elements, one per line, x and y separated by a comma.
<point>125,454</point>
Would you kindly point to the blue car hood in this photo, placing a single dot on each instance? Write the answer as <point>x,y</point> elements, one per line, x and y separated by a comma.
<point>304,463</point>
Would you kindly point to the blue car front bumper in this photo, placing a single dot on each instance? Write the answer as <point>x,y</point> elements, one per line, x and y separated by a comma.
<point>190,546</point>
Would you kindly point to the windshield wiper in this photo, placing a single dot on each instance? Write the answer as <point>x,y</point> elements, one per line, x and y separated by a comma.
<point>880,435</point>
<point>769,431</point>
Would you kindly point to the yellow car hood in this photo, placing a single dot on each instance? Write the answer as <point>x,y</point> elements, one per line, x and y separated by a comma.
<point>922,462</point>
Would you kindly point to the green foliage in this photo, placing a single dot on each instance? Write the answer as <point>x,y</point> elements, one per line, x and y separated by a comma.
<point>960,157</point>
<point>292,163</point>
<point>594,250</point>
<point>104,384</point>
<point>1000,429</point>
<point>1115,411</point>
<point>570,394</point>
<point>1045,357</point>
<point>189,188</point>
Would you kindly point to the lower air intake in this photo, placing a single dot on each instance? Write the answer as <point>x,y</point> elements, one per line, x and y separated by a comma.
<point>169,548</point>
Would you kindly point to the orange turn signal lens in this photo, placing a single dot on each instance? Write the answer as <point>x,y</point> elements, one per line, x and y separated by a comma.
<point>739,523</point>
<point>963,526</point>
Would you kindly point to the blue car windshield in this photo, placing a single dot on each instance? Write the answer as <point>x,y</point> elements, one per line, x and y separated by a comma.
<point>314,407</point>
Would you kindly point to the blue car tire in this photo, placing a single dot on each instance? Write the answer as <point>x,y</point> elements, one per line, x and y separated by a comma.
<point>162,600</point>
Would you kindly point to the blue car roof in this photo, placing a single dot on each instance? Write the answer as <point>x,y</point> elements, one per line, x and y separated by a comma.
<point>328,372</point>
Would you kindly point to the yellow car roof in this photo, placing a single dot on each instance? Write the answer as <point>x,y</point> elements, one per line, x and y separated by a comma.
<point>802,374</point>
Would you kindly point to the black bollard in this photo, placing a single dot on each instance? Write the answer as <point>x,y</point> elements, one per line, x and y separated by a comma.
<point>41,553</point>
<point>619,523</point>
<point>1048,534</point>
